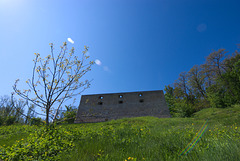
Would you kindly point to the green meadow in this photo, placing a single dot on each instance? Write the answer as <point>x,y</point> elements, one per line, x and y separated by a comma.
<point>211,134</point>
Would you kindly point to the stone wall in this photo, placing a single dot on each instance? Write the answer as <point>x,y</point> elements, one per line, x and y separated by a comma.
<point>104,107</point>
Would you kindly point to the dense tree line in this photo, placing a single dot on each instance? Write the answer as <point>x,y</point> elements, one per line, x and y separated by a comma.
<point>216,83</point>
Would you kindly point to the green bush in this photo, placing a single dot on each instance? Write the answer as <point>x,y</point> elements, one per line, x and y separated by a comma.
<point>70,116</point>
<point>1,121</point>
<point>10,120</point>
<point>182,109</point>
<point>43,144</point>
<point>36,121</point>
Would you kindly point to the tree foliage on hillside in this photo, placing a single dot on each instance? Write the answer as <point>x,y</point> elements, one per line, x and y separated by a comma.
<point>216,83</point>
<point>10,114</point>
<point>55,79</point>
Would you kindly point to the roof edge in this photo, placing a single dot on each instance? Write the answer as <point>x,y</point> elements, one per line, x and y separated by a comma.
<point>122,93</point>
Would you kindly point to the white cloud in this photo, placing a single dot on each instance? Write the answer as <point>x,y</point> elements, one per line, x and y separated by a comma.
<point>98,62</point>
<point>70,40</point>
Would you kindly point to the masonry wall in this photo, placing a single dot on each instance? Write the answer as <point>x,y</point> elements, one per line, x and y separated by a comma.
<point>104,107</point>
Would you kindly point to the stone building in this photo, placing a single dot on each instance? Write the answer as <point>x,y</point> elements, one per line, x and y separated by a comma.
<point>104,107</point>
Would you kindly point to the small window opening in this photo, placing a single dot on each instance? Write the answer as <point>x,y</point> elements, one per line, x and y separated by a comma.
<point>101,97</point>
<point>120,102</point>
<point>120,96</point>
<point>140,94</point>
<point>100,103</point>
<point>141,100</point>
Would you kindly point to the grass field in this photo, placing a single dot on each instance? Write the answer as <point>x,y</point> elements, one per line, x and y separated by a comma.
<point>142,138</point>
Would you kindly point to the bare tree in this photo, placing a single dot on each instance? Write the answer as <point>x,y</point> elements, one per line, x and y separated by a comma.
<point>30,113</point>
<point>215,63</point>
<point>181,86</point>
<point>196,80</point>
<point>56,79</point>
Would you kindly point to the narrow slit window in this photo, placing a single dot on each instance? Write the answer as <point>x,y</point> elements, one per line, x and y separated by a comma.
<point>100,103</point>
<point>141,100</point>
<point>120,102</point>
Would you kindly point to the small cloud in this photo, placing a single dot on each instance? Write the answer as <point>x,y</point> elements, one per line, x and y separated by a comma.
<point>202,27</point>
<point>105,68</point>
<point>98,62</point>
<point>70,40</point>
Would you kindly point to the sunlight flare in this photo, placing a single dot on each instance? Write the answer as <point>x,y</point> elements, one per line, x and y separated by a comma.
<point>70,40</point>
<point>98,62</point>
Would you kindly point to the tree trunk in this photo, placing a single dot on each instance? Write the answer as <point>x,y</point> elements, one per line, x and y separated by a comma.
<point>47,116</point>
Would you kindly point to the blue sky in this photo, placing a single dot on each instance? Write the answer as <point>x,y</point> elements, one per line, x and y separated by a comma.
<point>142,44</point>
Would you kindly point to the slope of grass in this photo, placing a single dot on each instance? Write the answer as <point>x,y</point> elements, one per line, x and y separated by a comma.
<point>146,138</point>
<point>223,116</point>
<point>10,134</point>
<point>163,139</point>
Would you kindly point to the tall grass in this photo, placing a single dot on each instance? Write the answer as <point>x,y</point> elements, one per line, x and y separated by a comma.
<point>9,134</point>
<point>150,138</point>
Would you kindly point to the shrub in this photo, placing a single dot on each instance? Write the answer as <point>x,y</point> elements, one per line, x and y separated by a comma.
<point>1,121</point>
<point>10,120</point>
<point>69,116</point>
<point>36,121</point>
<point>43,144</point>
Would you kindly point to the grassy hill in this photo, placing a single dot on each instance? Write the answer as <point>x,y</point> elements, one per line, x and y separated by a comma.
<point>142,138</point>
<point>225,116</point>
